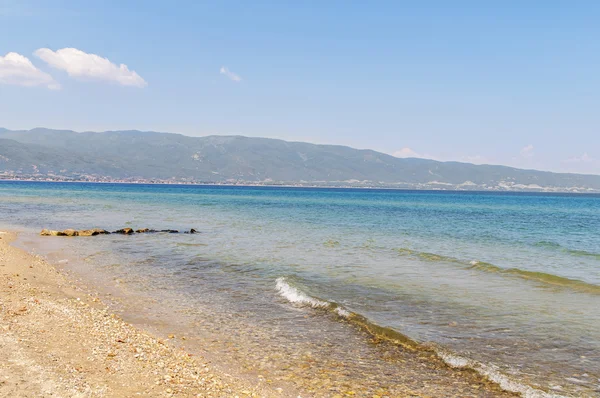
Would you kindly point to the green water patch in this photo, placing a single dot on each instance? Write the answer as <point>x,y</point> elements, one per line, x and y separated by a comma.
<point>382,333</point>
<point>581,253</point>
<point>541,277</point>
<point>428,256</point>
<point>190,244</point>
<point>331,243</point>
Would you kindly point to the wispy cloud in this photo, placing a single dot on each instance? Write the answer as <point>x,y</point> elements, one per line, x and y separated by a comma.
<point>232,76</point>
<point>16,69</point>
<point>585,158</point>
<point>584,163</point>
<point>83,65</point>
<point>406,153</point>
<point>527,151</point>
<point>410,153</point>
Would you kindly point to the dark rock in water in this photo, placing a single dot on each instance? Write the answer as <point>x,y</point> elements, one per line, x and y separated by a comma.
<point>99,231</point>
<point>124,231</point>
<point>193,231</point>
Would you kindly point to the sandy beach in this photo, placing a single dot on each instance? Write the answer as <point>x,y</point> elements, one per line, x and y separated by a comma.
<point>57,341</point>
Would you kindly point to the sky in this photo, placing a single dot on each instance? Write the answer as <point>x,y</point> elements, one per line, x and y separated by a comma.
<point>506,82</point>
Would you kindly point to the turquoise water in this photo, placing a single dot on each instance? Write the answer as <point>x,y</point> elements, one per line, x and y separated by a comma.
<point>506,283</point>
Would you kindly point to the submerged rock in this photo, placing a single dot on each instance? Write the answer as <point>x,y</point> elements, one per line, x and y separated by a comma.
<point>92,232</point>
<point>99,231</point>
<point>48,232</point>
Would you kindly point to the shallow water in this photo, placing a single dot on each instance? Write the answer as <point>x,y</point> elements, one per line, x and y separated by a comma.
<point>508,284</point>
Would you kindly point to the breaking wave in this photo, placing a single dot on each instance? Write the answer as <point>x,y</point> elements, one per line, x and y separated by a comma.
<point>488,371</point>
<point>297,296</point>
<point>294,295</point>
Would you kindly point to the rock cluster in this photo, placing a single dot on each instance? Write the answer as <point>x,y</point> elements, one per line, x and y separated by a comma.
<point>73,232</point>
<point>98,231</point>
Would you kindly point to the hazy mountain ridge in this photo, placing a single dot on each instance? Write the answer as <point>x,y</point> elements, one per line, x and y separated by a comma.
<point>127,155</point>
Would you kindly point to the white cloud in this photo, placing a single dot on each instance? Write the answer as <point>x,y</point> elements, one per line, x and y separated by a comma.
<point>527,151</point>
<point>585,158</point>
<point>83,65</point>
<point>406,153</point>
<point>410,153</point>
<point>230,74</point>
<point>18,70</point>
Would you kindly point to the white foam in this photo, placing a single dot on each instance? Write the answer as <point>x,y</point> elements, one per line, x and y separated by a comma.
<point>342,312</point>
<point>474,262</point>
<point>294,295</point>
<point>454,361</point>
<point>62,261</point>
<point>505,382</point>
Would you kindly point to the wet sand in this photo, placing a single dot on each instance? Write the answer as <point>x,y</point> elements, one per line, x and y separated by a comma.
<point>59,339</point>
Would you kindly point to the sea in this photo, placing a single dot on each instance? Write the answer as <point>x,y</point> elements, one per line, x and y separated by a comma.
<point>506,284</point>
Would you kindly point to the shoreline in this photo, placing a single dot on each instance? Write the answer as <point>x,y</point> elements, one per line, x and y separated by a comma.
<point>340,187</point>
<point>57,340</point>
<point>46,313</point>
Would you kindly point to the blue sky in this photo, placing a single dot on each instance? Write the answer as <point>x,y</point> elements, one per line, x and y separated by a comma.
<point>509,82</point>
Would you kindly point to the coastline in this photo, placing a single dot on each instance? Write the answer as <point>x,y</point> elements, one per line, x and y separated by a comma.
<point>511,190</point>
<point>56,340</point>
<point>52,328</point>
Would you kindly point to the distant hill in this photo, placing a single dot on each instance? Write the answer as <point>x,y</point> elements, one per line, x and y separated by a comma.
<point>144,156</point>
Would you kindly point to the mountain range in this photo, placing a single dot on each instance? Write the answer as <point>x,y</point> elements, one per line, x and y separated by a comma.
<point>139,156</point>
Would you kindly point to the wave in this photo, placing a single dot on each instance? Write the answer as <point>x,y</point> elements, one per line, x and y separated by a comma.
<point>573,252</point>
<point>297,296</point>
<point>505,382</point>
<point>546,243</point>
<point>382,333</point>
<point>294,295</point>
<point>582,253</point>
<point>542,277</point>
